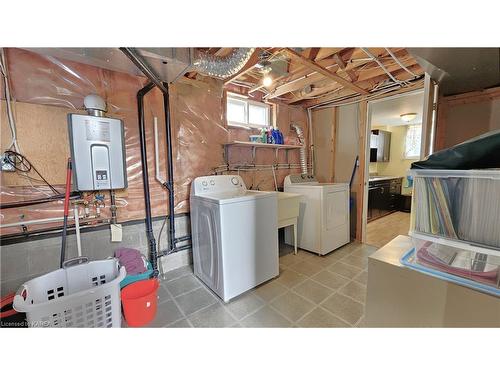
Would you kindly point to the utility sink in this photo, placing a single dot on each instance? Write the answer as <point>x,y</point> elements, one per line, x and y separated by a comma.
<point>288,213</point>
<point>288,206</point>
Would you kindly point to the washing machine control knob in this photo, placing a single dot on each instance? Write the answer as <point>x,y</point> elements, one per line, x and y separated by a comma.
<point>212,182</point>
<point>235,181</point>
<point>204,183</point>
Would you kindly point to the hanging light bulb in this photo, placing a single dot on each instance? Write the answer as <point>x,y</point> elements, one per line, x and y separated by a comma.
<point>267,81</point>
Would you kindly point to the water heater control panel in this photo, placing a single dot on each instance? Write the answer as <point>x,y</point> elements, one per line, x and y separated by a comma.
<point>98,152</point>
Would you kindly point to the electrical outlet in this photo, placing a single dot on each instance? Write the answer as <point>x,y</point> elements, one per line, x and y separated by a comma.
<point>6,164</point>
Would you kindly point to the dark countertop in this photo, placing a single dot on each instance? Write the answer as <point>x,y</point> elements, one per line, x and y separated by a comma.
<point>381,178</point>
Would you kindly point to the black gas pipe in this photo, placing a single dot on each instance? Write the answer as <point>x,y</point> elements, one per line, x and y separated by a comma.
<point>145,177</point>
<point>169,184</point>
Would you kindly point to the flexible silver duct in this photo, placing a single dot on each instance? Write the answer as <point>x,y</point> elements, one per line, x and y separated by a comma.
<point>303,151</point>
<point>223,67</point>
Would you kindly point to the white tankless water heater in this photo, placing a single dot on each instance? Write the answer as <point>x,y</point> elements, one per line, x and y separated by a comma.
<point>97,148</point>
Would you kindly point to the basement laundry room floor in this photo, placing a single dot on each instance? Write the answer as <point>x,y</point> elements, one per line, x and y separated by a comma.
<point>311,291</point>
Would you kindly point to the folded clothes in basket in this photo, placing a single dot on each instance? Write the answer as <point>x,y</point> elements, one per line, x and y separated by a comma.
<point>132,260</point>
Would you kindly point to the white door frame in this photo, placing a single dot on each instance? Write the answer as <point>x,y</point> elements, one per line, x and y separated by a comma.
<point>367,150</point>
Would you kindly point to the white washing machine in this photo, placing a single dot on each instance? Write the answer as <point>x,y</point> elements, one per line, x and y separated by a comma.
<point>234,235</point>
<point>323,223</point>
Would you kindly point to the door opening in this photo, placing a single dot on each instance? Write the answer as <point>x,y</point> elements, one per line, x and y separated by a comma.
<point>394,134</point>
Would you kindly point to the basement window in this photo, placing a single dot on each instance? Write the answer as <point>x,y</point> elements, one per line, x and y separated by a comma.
<point>413,140</point>
<point>246,113</point>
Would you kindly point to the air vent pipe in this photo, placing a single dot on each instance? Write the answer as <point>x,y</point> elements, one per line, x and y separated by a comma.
<point>303,152</point>
<point>222,67</point>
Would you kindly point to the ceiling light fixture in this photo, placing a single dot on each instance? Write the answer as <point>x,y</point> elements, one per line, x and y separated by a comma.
<point>407,117</point>
<point>267,81</point>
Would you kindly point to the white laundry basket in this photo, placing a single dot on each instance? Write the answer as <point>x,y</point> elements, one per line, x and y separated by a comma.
<point>81,294</point>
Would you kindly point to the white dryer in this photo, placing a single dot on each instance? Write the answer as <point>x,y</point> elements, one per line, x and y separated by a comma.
<point>323,223</point>
<point>234,235</point>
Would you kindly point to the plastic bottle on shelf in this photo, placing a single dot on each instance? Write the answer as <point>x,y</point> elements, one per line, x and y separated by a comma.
<point>270,138</point>
<point>274,134</point>
<point>263,135</point>
<point>280,136</point>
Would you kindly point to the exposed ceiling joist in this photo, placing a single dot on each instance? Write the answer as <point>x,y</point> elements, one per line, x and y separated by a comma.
<point>343,66</point>
<point>376,78</point>
<point>298,83</point>
<point>327,52</point>
<point>314,53</point>
<point>325,72</point>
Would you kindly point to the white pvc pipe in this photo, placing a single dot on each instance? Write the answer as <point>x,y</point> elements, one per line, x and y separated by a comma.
<point>44,221</point>
<point>33,222</point>
<point>157,157</point>
<point>77,230</point>
<point>365,50</point>
<point>274,176</point>
<point>400,63</point>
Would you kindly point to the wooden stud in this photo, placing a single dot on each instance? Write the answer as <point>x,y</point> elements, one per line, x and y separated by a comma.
<point>362,116</point>
<point>334,141</point>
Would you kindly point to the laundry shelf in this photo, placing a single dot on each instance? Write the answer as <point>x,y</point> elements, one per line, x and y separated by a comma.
<point>256,145</point>
<point>262,145</point>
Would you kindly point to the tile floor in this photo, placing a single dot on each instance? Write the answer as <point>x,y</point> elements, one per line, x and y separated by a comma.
<point>311,291</point>
<point>384,229</point>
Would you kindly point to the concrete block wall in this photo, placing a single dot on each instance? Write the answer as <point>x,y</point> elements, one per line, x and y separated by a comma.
<point>26,260</point>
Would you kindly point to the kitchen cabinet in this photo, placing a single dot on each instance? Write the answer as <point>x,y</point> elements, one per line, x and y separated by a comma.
<point>383,197</point>
<point>380,145</point>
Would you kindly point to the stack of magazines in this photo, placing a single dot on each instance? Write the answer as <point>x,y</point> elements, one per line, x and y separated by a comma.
<point>483,268</point>
<point>465,208</point>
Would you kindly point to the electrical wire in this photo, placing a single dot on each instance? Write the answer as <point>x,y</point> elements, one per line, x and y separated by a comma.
<point>8,99</point>
<point>16,159</point>
<point>400,63</point>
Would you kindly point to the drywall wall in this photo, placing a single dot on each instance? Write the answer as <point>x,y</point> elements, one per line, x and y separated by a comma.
<point>470,120</point>
<point>324,141</point>
<point>464,116</point>
<point>346,144</point>
<point>397,165</point>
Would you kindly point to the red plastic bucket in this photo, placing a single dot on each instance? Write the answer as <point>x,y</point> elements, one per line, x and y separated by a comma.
<point>139,301</point>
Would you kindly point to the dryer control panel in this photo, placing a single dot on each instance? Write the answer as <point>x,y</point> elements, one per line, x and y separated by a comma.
<point>299,179</point>
<point>217,184</point>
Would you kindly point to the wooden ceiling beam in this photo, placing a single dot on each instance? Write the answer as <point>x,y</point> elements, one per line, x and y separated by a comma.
<point>325,72</point>
<point>313,53</point>
<point>343,66</point>
<point>327,52</point>
<point>399,74</point>
<point>367,84</point>
<point>304,76</point>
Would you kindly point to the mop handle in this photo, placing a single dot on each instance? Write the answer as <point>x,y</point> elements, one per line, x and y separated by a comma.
<point>68,188</point>
<point>66,211</point>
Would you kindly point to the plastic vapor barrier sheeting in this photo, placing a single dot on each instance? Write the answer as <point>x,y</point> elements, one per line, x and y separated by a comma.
<point>57,87</point>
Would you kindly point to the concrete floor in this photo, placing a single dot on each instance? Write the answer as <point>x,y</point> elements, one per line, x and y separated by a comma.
<point>311,291</point>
